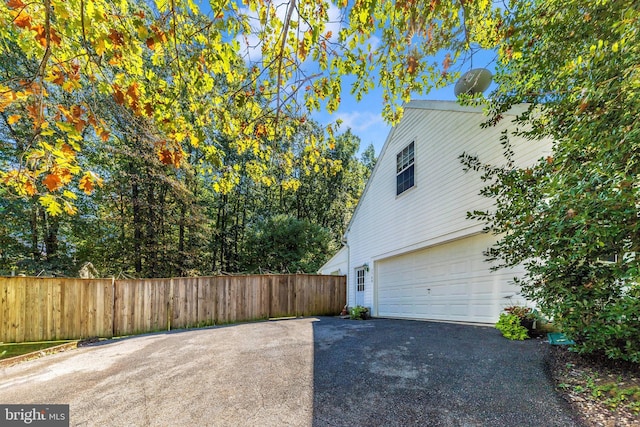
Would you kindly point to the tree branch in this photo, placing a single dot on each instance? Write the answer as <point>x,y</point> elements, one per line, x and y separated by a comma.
<point>285,30</point>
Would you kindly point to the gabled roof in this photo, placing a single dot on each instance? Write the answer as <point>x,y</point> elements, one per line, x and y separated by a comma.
<point>338,254</point>
<point>452,106</point>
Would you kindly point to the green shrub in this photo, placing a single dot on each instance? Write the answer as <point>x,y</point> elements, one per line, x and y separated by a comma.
<point>359,313</point>
<point>610,327</point>
<point>509,325</point>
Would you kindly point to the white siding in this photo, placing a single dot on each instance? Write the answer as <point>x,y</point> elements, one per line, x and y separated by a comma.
<point>434,211</point>
<point>338,264</point>
<point>451,281</point>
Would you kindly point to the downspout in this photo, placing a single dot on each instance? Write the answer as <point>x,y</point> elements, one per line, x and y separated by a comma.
<point>346,244</point>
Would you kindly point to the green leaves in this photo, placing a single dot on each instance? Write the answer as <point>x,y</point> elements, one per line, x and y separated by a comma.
<point>510,327</point>
<point>286,244</point>
<point>564,217</point>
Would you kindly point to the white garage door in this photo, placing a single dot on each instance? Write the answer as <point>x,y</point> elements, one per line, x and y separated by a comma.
<point>446,282</point>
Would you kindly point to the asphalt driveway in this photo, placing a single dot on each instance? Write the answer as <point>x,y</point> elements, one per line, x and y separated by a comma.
<point>302,372</point>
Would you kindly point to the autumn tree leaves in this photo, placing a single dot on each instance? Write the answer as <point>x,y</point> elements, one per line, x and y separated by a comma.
<point>252,70</point>
<point>76,53</point>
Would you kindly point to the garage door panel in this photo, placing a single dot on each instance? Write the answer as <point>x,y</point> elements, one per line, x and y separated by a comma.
<point>445,282</point>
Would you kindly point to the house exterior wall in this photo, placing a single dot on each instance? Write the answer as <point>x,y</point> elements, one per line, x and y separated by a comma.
<point>338,264</point>
<point>434,210</point>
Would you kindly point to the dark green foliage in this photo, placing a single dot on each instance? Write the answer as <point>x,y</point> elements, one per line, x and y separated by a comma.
<point>572,218</point>
<point>359,313</point>
<point>612,327</point>
<point>153,220</point>
<point>284,244</point>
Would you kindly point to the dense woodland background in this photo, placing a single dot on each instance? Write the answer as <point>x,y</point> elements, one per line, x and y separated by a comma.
<point>150,219</point>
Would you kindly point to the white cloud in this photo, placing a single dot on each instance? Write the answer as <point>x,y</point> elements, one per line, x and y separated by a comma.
<point>251,45</point>
<point>361,121</point>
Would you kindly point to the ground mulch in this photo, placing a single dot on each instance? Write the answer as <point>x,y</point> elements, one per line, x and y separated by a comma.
<point>576,376</point>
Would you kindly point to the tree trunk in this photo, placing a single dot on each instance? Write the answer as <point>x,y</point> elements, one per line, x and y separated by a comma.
<point>35,253</point>
<point>50,227</point>
<point>137,226</point>
<point>151,237</point>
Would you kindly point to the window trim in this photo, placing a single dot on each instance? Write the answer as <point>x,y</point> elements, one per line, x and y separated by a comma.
<point>360,286</point>
<point>404,163</point>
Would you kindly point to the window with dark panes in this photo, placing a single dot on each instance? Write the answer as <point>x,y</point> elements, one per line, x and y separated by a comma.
<point>360,279</point>
<point>405,169</point>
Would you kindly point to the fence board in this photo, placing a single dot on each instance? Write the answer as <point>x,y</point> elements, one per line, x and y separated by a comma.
<point>282,296</point>
<point>185,302</point>
<point>37,309</point>
<point>206,301</point>
<point>140,306</point>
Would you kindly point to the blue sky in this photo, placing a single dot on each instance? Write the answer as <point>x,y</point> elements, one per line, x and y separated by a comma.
<point>364,118</point>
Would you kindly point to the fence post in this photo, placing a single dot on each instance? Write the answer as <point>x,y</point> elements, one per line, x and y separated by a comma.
<point>269,290</point>
<point>113,306</point>
<point>295,295</point>
<point>170,305</point>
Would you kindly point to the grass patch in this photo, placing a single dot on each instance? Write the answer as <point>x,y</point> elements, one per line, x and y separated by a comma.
<point>13,350</point>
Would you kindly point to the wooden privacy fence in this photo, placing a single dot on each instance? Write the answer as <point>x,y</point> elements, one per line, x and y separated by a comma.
<point>42,309</point>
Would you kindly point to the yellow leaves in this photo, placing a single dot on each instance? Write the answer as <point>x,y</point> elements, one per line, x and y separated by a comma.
<point>71,85</point>
<point>19,181</point>
<point>290,184</point>
<point>209,66</point>
<point>226,183</point>
<point>51,205</point>
<point>55,205</point>
<point>62,8</point>
<point>100,47</point>
<point>69,208</point>
<point>6,97</point>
